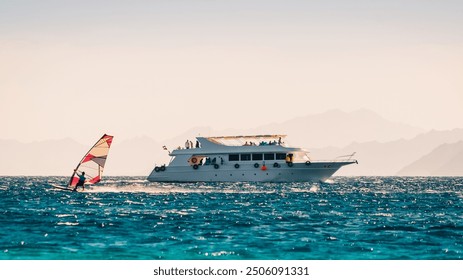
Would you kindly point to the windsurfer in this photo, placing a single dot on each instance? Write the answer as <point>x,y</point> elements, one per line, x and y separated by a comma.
<point>81,181</point>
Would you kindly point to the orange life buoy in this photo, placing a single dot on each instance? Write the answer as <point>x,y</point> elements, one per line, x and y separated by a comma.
<point>194,160</point>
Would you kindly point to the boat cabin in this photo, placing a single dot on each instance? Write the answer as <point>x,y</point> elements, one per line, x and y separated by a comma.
<point>259,149</point>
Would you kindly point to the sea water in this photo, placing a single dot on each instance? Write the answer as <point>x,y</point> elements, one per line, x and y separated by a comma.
<point>125,218</point>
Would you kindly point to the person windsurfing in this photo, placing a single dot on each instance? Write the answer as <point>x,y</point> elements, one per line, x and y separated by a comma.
<point>81,181</point>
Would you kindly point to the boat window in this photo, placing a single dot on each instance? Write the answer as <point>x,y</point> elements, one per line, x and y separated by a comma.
<point>280,156</point>
<point>269,156</point>
<point>257,157</point>
<point>245,157</point>
<point>233,157</point>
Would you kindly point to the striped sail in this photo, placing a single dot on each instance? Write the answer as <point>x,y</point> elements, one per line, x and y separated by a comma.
<point>93,162</point>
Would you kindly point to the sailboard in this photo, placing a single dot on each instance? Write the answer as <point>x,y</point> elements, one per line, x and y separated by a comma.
<point>92,164</point>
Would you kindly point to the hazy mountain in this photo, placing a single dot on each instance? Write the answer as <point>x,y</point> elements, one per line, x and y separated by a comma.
<point>445,160</point>
<point>138,156</point>
<point>52,157</point>
<point>338,128</point>
<point>59,157</point>
<point>387,159</point>
<point>332,128</point>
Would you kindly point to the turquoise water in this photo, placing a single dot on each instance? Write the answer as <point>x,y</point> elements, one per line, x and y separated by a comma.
<point>129,218</point>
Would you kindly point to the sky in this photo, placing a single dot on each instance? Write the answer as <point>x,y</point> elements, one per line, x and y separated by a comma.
<point>79,69</point>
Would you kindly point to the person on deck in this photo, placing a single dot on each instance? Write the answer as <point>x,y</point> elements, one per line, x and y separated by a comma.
<point>289,158</point>
<point>81,181</point>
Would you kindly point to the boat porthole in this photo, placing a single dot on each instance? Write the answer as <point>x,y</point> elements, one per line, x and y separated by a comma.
<point>256,165</point>
<point>237,165</point>
<point>163,168</point>
<point>216,166</point>
<point>156,169</point>
<point>195,166</point>
<point>276,165</point>
<point>290,164</point>
<point>307,162</point>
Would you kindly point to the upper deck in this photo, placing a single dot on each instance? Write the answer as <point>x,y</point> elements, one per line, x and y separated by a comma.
<point>248,140</point>
<point>233,144</point>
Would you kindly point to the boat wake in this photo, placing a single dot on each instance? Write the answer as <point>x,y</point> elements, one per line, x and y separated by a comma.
<point>169,188</point>
<point>140,188</point>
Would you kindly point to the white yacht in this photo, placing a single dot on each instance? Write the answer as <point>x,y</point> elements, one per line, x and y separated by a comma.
<point>258,158</point>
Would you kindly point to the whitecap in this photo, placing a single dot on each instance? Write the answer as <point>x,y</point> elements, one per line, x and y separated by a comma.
<point>67,224</point>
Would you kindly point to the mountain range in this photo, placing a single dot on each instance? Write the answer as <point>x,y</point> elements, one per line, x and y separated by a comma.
<point>445,160</point>
<point>332,128</point>
<point>391,158</point>
<point>383,148</point>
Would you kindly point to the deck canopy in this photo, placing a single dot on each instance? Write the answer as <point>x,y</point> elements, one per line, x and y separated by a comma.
<point>249,140</point>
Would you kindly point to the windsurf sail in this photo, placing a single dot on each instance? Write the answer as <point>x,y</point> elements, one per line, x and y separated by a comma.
<point>93,162</point>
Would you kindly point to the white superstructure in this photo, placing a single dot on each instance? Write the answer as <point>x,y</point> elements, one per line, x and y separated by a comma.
<point>259,158</point>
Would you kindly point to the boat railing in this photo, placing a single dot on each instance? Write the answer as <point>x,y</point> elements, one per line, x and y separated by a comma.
<point>344,158</point>
<point>336,160</point>
<point>253,140</point>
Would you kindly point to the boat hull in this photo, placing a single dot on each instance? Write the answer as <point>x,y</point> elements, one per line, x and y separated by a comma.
<point>298,172</point>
